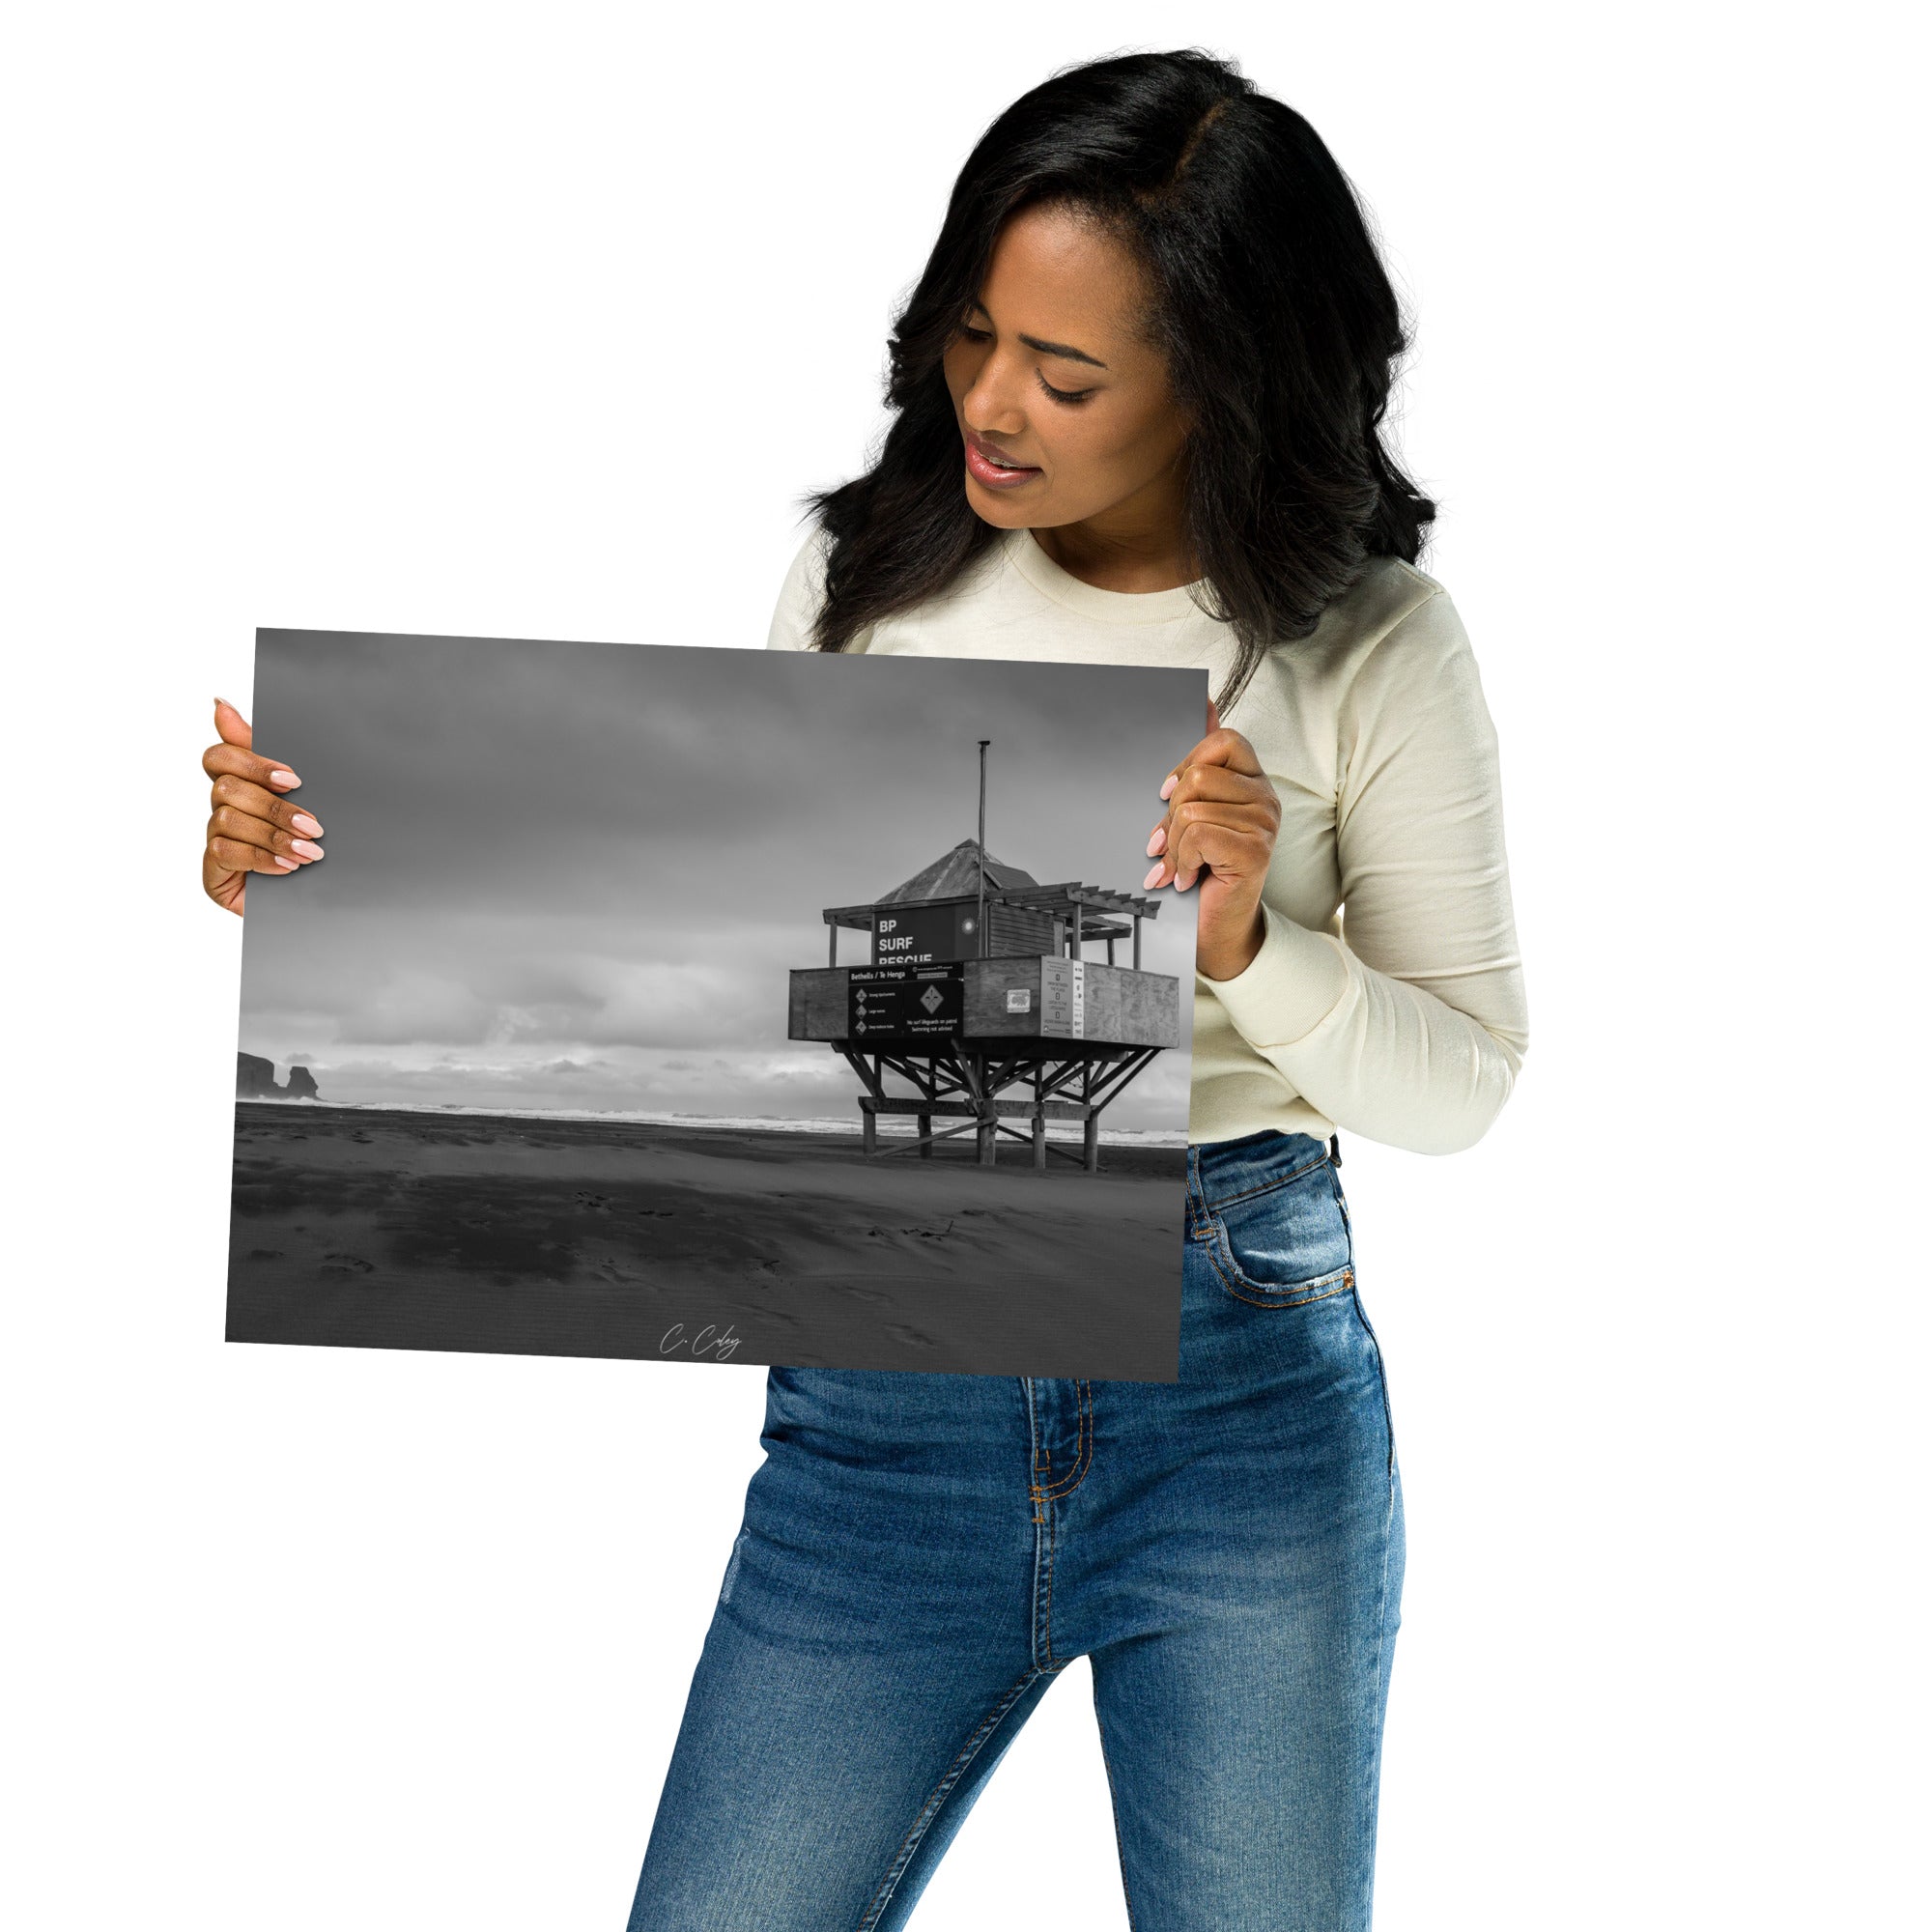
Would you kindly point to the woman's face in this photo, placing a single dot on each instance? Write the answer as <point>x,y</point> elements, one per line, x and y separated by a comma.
<point>1048,372</point>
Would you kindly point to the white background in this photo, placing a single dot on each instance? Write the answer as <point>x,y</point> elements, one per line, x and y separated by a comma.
<point>534,322</point>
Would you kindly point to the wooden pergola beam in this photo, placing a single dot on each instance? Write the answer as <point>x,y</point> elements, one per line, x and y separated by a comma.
<point>1032,898</point>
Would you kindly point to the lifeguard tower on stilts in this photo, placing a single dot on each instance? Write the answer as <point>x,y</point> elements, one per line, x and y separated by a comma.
<point>981,995</point>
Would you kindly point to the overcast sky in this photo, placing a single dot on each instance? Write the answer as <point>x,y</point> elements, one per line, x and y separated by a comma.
<point>576,875</point>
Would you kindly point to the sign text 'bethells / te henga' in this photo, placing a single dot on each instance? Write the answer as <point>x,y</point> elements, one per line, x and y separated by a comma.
<point>908,1001</point>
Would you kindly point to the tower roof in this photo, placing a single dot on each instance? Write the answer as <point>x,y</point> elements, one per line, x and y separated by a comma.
<point>958,872</point>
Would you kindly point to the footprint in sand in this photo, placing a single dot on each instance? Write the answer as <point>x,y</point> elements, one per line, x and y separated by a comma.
<point>913,1338</point>
<point>864,1295</point>
<point>349,1263</point>
<point>265,1253</point>
<point>595,1204</point>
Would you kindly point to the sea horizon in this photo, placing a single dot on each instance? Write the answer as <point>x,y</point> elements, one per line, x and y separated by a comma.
<point>889,1125</point>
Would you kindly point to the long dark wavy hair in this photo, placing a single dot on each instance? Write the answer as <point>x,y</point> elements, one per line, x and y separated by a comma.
<point>1269,302</point>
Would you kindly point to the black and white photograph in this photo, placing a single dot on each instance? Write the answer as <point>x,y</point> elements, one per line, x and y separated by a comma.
<point>717,1005</point>
<point>958,968</point>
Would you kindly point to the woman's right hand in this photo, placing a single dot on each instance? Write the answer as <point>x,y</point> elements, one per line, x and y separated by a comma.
<point>253,828</point>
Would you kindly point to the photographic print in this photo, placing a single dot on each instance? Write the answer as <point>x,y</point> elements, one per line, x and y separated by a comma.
<point>707,1005</point>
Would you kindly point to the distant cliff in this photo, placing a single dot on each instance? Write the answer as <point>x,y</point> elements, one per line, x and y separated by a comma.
<point>255,1080</point>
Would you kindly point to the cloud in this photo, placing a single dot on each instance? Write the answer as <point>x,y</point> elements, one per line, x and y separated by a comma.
<point>559,869</point>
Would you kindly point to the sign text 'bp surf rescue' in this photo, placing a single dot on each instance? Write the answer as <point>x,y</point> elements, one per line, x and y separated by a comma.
<point>925,935</point>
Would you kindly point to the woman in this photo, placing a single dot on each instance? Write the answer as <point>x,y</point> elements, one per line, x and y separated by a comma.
<point>1137,399</point>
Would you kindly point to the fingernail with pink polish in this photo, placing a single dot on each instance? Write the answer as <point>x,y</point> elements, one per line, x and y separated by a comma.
<point>288,864</point>
<point>302,823</point>
<point>1173,780</point>
<point>1157,841</point>
<point>1148,882</point>
<point>280,778</point>
<point>308,848</point>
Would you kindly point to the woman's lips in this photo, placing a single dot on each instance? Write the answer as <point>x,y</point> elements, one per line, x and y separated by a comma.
<point>996,476</point>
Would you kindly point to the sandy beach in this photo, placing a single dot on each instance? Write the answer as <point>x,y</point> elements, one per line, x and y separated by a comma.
<point>358,1227</point>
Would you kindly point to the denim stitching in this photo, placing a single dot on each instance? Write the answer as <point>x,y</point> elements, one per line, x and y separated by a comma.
<point>1038,1459</point>
<point>1043,1496</point>
<point>1043,1608</point>
<point>1040,1610</point>
<point>1237,1283</point>
<point>1266,1186</point>
<point>1046,1544</point>
<point>1381,1379</point>
<point>1083,1452</point>
<point>968,1752</point>
<point>1043,1545</point>
<point>1197,1208</point>
<point>1231,1268</point>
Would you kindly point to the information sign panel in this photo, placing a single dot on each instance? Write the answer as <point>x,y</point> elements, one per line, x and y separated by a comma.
<point>905,1002</point>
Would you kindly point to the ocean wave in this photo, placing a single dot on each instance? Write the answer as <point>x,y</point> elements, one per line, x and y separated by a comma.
<point>890,1125</point>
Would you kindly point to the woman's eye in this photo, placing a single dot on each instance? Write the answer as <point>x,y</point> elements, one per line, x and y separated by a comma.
<point>971,334</point>
<point>1065,395</point>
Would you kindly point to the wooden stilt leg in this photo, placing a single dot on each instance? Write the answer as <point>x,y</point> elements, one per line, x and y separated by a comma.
<point>1092,1127</point>
<point>924,1131</point>
<point>870,1131</point>
<point>1039,1141</point>
<point>987,1139</point>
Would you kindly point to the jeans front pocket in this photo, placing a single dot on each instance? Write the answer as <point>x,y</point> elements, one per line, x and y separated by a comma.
<point>1285,1241</point>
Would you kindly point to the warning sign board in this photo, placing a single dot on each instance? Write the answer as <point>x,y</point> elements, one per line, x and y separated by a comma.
<point>1064,998</point>
<point>899,1002</point>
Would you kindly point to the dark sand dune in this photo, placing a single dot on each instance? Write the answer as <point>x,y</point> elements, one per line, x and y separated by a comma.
<point>405,1230</point>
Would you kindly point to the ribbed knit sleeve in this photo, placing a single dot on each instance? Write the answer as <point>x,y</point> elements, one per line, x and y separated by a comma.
<point>800,597</point>
<point>1411,1025</point>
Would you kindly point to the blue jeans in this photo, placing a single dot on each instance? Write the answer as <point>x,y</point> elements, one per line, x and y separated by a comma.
<point>921,1554</point>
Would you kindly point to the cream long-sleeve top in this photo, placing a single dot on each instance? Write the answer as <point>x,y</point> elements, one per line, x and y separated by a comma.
<point>1387,998</point>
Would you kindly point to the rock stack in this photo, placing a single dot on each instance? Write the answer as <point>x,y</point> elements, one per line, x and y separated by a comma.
<point>255,1080</point>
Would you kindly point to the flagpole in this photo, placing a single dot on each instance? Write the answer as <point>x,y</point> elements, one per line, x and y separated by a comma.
<point>983,743</point>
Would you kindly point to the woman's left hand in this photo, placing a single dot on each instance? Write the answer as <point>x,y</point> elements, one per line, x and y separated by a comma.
<point>1222,817</point>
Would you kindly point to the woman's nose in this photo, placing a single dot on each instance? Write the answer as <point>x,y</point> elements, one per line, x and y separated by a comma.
<point>990,405</point>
